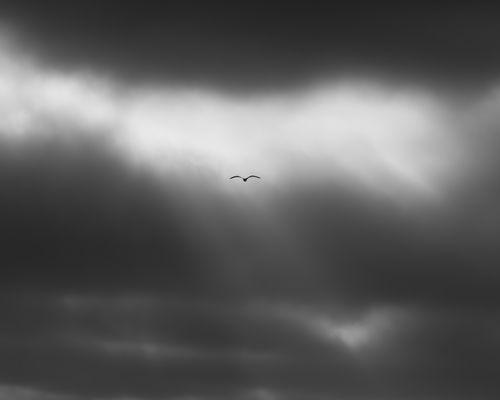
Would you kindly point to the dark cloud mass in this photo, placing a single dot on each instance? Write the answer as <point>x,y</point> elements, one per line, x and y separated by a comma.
<point>265,44</point>
<point>65,203</point>
<point>359,267</point>
<point>107,291</point>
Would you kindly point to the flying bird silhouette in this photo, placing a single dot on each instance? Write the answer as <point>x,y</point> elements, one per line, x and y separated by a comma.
<point>245,179</point>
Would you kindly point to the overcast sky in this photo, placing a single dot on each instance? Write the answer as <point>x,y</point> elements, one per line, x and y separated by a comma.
<point>362,266</point>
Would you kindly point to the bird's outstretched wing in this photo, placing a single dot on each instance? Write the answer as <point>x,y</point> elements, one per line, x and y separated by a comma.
<point>253,176</point>
<point>236,176</point>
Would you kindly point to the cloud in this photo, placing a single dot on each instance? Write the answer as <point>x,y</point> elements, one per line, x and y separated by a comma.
<point>110,346</point>
<point>20,393</point>
<point>74,216</point>
<point>265,45</point>
<point>363,265</point>
<point>362,131</point>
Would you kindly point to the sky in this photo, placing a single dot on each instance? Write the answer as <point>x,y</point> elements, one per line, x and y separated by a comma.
<point>363,265</point>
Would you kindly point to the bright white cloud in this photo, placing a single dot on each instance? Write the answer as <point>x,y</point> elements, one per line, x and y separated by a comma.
<point>357,333</point>
<point>356,131</point>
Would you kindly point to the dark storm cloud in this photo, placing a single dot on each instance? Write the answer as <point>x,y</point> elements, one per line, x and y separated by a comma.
<point>264,44</point>
<point>73,215</point>
<point>163,280</point>
<point>108,292</point>
<point>370,249</point>
<point>91,349</point>
<point>105,347</point>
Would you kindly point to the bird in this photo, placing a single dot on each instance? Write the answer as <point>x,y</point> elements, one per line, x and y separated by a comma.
<point>245,179</point>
